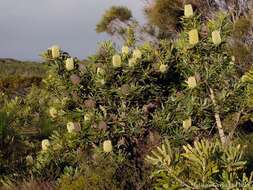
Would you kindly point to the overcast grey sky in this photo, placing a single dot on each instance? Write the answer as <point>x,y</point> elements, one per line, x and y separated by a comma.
<point>28,27</point>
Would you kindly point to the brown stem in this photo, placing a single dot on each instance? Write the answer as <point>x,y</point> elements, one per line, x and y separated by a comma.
<point>217,118</point>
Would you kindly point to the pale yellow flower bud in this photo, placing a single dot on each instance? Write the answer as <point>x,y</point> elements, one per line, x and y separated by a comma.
<point>45,144</point>
<point>107,146</point>
<point>193,37</point>
<point>163,68</point>
<point>73,127</point>
<point>53,112</point>
<point>125,50</point>
<point>137,54</point>
<point>191,81</point>
<point>116,61</point>
<point>216,37</point>
<point>187,123</point>
<point>55,51</point>
<point>69,64</point>
<point>188,11</point>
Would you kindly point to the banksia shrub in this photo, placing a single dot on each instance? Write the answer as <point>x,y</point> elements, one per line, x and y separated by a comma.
<point>174,88</point>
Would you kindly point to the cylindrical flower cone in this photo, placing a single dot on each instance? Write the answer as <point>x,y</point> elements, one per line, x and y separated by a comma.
<point>55,51</point>
<point>45,144</point>
<point>191,81</point>
<point>187,123</point>
<point>69,64</point>
<point>216,37</point>
<point>116,61</point>
<point>193,37</point>
<point>107,146</point>
<point>188,11</point>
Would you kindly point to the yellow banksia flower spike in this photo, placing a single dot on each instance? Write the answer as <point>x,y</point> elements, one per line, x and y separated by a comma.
<point>193,37</point>
<point>116,61</point>
<point>55,51</point>
<point>69,64</point>
<point>45,144</point>
<point>216,37</point>
<point>188,11</point>
<point>107,146</point>
<point>191,81</point>
<point>187,123</point>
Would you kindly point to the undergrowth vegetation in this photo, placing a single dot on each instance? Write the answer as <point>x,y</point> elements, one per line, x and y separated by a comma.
<point>17,77</point>
<point>172,115</point>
